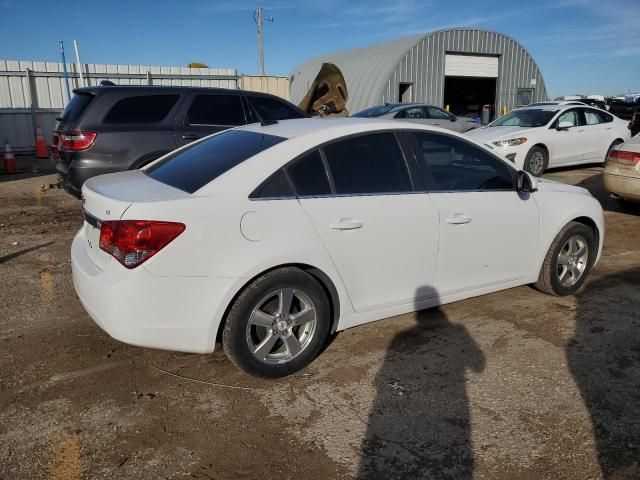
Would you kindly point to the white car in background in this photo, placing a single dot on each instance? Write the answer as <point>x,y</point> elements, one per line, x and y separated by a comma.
<point>538,137</point>
<point>273,237</point>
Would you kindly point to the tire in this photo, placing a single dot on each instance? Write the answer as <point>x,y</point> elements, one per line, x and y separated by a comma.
<point>536,161</point>
<point>565,269</point>
<point>262,338</point>
<point>611,147</point>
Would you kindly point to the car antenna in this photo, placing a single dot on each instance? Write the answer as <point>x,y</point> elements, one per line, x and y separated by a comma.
<point>263,122</point>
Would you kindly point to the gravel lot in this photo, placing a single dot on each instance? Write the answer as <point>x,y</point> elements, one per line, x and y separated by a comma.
<point>515,384</point>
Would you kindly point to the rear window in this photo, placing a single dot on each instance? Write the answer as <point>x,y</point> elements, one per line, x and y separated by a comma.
<point>194,167</point>
<point>76,107</point>
<point>141,109</point>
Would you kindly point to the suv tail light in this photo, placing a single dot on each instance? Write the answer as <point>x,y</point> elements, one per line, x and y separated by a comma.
<point>75,141</point>
<point>622,156</point>
<point>133,242</point>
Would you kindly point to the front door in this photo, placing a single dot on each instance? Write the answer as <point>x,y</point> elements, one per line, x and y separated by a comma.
<point>566,145</point>
<point>381,234</point>
<point>488,231</point>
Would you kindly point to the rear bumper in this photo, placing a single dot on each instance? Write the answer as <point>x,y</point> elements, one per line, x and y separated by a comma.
<point>73,175</point>
<point>136,307</point>
<point>625,186</point>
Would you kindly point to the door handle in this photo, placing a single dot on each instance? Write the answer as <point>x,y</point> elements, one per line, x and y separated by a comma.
<point>346,224</point>
<point>458,219</point>
<point>190,137</point>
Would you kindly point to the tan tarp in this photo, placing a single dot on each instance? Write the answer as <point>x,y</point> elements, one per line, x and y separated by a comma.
<point>328,93</point>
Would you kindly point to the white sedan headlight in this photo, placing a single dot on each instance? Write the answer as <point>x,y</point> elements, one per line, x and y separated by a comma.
<point>512,142</point>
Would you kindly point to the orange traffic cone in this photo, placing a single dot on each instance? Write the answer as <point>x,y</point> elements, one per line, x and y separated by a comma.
<point>9,160</point>
<point>41,145</point>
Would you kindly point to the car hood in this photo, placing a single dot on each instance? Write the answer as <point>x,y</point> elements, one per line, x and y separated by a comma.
<point>492,134</point>
<point>546,185</point>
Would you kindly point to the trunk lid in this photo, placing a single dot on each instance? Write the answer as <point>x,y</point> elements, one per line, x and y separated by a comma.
<point>107,197</point>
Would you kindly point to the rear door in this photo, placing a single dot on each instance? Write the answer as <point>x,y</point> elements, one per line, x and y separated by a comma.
<point>205,113</point>
<point>380,231</point>
<point>488,231</point>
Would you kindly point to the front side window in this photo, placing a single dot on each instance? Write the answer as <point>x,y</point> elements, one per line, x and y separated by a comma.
<point>270,109</point>
<point>368,164</point>
<point>194,167</point>
<point>570,118</point>
<point>141,109</point>
<point>438,114</point>
<point>454,165</point>
<point>216,110</point>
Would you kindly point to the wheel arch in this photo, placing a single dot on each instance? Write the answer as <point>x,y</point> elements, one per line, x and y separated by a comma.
<point>589,222</point>
<point>323,279</point>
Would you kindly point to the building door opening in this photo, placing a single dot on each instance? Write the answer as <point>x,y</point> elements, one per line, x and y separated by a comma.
<point>466,95</point>
<point>405,92</point>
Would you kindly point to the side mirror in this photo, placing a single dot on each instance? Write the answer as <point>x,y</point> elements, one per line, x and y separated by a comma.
<point>452,118</point>
<point>564,126</point>
<point>526,182</point>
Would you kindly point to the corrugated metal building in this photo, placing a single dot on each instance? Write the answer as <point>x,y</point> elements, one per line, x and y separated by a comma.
<point>463,68</point>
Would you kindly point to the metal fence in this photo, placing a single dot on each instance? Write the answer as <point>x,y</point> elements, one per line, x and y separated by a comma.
<point>33,93</point>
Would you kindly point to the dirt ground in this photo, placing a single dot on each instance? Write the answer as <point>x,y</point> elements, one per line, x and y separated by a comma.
<point>513,385</point>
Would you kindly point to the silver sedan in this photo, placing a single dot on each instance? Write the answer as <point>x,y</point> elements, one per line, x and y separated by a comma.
<point>420,113</point>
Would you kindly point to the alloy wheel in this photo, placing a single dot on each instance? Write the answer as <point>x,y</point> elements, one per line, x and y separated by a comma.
<point>281,326</point>
<point>572,260</point>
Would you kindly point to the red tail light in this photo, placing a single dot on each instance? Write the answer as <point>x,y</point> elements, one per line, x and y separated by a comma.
<point>623,156</point>
<point>75,141</point>
<point>133,242</point>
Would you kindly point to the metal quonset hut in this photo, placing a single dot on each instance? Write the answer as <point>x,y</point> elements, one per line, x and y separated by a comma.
<point>460,67</point>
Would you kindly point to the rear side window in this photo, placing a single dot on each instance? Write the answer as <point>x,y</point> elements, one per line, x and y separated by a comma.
<point>591,117</point>
<point>194,167</point>
<point>309,176</point>
<point>604,117</point>
<point>273,109</point>
<point>368,164</point>
<point>216,110</point>
<point>276,186</point>
<point>141,109</point>
<point>76,107</point>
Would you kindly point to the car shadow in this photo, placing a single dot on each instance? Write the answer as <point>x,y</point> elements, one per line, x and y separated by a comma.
<point>419,425</point>
<point>604,358</point>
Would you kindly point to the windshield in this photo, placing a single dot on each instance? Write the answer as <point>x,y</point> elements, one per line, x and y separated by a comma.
<point>194,167</point>
<point>525,118</point>
<point>375,111</point>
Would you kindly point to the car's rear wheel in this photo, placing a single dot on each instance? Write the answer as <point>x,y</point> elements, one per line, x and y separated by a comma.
<point>278,324</point>
<point>568,261</point>
<point>536,161</point>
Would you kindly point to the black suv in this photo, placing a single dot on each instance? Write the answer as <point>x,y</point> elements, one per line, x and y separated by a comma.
<point>113,128</point>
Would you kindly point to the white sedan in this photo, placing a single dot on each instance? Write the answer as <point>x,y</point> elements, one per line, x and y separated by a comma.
<point>273,237</point>
<point>537,137</point>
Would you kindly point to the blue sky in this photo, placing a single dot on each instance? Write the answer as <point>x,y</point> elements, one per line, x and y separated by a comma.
<point>582,46</point>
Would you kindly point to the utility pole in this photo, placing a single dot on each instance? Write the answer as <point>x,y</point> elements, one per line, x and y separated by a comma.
<point>258,18</point>
<point>64,69</point>
<point>78,64</point>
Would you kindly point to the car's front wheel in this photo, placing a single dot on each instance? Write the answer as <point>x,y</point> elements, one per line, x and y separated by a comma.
<point>536,161</point>
<point>568,261</point>
<point>278,324</point>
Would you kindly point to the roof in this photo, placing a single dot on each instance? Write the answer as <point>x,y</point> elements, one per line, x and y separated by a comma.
<point>365,69</point>
<point>303,126</point>
<point>368,70</point>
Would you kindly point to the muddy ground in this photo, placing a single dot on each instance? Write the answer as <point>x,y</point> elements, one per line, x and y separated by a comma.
<point>511,385</point>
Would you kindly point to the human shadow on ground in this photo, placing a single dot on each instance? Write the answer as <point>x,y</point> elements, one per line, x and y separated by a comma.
<point>604,358</point>
<point>419,425</point>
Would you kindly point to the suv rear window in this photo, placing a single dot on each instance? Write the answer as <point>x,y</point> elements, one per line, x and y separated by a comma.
<point>76,107</point>
<point>194,167</point>
<point>141,109</point>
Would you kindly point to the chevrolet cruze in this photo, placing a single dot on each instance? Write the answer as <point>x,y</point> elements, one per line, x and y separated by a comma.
<point>272,237</point>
